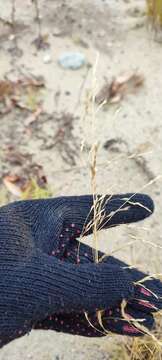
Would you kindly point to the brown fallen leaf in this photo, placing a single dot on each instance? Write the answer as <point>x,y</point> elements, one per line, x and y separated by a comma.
<point>12,183</point>
<point>115,91</point>
<point>29,181</point>
<point>6,88</point>
<point>22,187</point>
<point>20,93</point>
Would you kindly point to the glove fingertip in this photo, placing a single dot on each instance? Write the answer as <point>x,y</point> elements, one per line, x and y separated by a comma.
<point>146,203</point>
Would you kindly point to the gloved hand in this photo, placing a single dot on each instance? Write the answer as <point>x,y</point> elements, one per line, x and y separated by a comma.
<point>34,281</point>
<point>147,300</point>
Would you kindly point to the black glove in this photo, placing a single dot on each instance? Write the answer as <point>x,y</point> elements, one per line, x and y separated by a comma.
<point>147,299</point>
<point>34,284</point>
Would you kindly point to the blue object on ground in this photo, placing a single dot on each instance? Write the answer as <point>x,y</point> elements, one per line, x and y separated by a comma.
<point>72,60</point>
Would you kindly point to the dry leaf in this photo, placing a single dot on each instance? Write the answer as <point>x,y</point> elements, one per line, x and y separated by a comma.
<point>118,88</point>
<point>33,187</point>
<point>12,184</point>
<point>6,88</point>
<point>21,93</point>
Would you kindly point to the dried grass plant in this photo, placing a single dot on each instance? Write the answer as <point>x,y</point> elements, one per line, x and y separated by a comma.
<point>154,12</point>
<point>148,347</point>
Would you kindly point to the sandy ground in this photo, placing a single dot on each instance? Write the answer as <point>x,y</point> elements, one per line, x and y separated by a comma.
<point>118,33</point>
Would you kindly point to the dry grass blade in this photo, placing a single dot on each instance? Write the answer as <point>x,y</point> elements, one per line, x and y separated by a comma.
<point>93,182</point>
<point>90,323</point>
<point>145,348</point>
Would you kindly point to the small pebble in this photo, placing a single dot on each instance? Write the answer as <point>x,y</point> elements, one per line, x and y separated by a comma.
<point>72,60</point>
<point>47,59</point>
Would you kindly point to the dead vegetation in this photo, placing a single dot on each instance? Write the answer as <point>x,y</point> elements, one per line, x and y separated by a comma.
<point>29,181</point>
<point>118,88</point>
<point>150,346</point>
<point>23,93</point>
<point>154,10</point>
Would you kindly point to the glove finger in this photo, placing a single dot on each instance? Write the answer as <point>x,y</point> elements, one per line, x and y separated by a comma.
<point>89,326</point>
<point>79,252</point>
<point>113,209</point>
<point>55,222</point>
<point>117,324</point>
<point>148,296</point>
<point>149,290</point>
